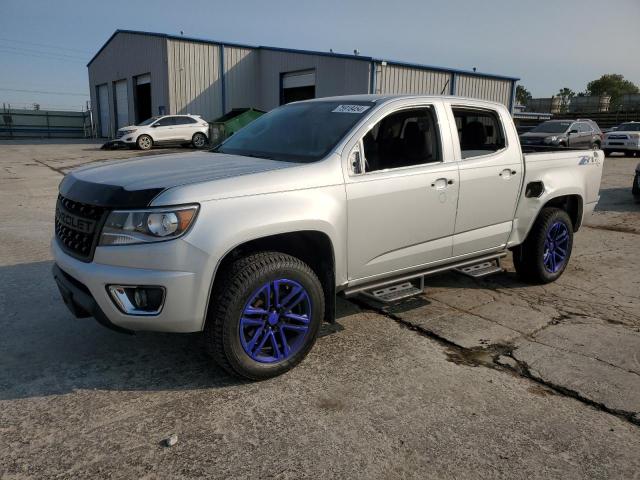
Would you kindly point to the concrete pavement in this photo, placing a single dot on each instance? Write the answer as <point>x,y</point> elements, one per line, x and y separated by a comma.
<point>476,379</point>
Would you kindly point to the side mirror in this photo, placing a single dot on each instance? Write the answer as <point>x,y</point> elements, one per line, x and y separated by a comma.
<point>355,160</point>
<point>573,131</point>
<point>155,125</point>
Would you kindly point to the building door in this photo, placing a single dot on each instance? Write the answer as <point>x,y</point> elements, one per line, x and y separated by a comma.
<point>143,97</point>
<point>103,111</point>
<point>122,104</point>
<point>297,86</point>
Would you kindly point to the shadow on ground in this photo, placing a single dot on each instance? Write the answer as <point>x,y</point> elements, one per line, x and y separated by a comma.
<point>46,351</point>
<point>617,200</point>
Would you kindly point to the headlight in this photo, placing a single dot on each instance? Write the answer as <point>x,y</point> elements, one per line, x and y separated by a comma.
<point>553,139</point>
<point>127,132</point>
<point>126,227</point>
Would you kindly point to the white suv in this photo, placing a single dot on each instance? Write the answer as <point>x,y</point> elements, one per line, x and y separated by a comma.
<point>625,139</point>
<point>184,129</point>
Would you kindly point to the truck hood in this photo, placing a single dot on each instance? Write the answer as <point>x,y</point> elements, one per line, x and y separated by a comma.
<point>135,183</point>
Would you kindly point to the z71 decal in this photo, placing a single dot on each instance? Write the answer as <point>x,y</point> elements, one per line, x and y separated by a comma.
<point>589,160</point>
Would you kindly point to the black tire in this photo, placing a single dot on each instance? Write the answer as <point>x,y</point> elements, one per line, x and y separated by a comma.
<point>595,146</point>
<point>199,140</point>
<point>528,258</point>
<point>635,190</point>
<point>607,153</point>
<point>144,142</point>
<point>232,291</point>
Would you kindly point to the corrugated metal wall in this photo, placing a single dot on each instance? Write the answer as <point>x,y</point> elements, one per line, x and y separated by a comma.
<point>185,76</point>
<point>485,88</point>
<point>334,76</point>
<point>241,66</point>
<point>396,79</point>
<point>124,57</point>
<point>194,78</point>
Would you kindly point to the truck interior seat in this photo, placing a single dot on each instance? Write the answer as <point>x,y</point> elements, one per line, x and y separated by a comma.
<point>474,136</point>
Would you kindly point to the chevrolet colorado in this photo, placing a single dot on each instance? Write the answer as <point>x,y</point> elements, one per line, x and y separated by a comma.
<point>252,241</point>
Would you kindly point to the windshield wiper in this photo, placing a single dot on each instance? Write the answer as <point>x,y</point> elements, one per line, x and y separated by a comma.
<point>253,155</point>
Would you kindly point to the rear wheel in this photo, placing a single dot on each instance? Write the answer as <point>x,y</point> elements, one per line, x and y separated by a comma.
<point>544,255</point>
<point>595,146</point>
<point>199,140</point>
<point>266,311</point>
<point>144,142</point>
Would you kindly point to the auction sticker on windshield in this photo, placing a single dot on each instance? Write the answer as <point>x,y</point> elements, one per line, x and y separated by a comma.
<point>350,109</point>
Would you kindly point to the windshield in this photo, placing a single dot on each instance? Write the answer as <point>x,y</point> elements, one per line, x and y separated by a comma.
<point>298,132</point>
<point>148,121</point>
<point>629,127</point>
<point>551,127</point>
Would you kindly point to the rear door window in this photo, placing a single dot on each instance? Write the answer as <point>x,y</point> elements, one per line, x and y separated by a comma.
<point>480,131</point>
<point>166,122</point>
<point>184,120</point>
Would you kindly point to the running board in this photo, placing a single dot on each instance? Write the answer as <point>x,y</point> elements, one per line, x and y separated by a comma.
<point>482,269</point>
<point>393,293</point>
<point>420,274</point>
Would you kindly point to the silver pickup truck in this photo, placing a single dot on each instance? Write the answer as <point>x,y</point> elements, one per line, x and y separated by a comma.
<point>252,241</point>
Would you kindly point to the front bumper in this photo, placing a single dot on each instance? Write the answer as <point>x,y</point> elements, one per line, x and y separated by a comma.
<point>84,285</point>
<point>79,300</point>
<point>621,145</point>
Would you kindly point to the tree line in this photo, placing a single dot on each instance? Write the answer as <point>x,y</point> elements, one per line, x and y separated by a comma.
<point>612,84</point>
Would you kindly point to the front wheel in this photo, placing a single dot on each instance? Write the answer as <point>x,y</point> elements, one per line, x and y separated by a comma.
<point>199,140</point>
<point>545,253</point>
<point>607,153</point>
<point>266,311</point>
<point>144,142</point>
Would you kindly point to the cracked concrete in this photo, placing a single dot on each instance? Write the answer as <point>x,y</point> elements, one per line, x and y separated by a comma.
<point>580,334</point>
<point>373,400</point>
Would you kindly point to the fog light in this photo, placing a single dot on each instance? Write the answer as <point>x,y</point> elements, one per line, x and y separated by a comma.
<point>137,300</point>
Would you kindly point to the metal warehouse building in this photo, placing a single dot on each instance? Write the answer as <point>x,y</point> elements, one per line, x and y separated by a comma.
<point>139,74</point>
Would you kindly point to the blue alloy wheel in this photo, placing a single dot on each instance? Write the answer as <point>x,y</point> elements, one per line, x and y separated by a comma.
<point>275,321</point>
<point>556,247</point>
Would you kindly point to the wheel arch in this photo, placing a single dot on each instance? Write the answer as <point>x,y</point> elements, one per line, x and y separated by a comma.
<point>570,203</point>
<point>313,247</point>
<point>203,133</point>
<point>145,135</point>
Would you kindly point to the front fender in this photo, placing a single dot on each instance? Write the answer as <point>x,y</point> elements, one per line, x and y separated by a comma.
<point>222,225</point>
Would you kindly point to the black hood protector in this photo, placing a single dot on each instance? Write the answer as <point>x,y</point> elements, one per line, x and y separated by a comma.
<point>103,195</point>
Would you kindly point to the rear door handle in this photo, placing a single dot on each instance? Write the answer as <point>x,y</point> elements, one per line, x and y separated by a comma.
<point>442,183</point>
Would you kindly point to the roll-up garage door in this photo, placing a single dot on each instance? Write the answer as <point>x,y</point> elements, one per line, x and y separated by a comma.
<point>103,109</point>
<point>122,104</point>
<point>298,86</point>
<point>143,79</point>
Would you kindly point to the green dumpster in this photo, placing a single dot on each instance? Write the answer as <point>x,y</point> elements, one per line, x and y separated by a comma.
<point>231,122</point>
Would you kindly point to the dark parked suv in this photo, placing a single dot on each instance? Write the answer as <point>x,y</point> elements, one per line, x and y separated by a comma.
<point>564,133</point>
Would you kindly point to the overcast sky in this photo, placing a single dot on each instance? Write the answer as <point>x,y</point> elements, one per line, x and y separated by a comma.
<point>45,44</point>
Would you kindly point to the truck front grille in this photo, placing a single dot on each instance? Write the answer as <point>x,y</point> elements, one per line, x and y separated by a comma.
<point>77,227</point>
